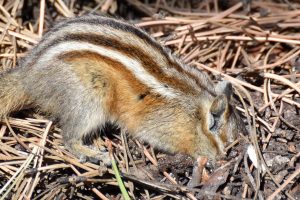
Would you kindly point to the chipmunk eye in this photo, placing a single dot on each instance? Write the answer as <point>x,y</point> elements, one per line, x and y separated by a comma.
<point>212,124</point>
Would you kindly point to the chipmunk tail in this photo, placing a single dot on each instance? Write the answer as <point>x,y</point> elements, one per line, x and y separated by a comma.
<point>12,94</point>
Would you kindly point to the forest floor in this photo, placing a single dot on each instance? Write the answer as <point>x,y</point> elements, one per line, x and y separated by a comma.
<point>256,47</point>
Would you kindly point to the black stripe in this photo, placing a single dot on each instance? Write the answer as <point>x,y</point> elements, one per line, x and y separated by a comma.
<point>130,50</point>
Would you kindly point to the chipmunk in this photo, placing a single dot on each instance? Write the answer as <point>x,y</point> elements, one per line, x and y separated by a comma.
<point>90,70</point>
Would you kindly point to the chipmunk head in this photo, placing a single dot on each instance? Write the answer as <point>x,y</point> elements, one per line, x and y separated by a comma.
<point>219,123</point>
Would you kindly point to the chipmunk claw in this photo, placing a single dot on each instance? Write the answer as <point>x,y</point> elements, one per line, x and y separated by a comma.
<point>83,159</point>
<point>101,158</point>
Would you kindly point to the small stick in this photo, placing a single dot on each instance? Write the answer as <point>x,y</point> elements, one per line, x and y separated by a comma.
<point>42,17</point>
<point>281,187</point>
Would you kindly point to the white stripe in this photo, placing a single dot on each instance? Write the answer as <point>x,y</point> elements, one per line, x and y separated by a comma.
<point>128,38</point>
<point>110,32</point>
<point>131,64</point>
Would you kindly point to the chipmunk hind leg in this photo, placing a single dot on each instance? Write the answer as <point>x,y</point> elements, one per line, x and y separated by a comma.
<point>82,123</point>
<point>59,91</point>
<point>12,94</point>
<point>74,143</point>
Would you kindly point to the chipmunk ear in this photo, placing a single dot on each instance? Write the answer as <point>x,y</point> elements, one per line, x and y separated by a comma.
<point>224,87</point>
<point>219,106</point>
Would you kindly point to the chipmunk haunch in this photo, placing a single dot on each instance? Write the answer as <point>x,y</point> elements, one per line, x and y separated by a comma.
<point>90,70</point>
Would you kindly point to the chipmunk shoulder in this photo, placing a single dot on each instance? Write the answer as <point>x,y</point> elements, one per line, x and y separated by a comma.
<point>90,70</point>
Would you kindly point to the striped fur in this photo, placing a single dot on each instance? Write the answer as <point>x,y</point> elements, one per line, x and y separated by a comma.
<point>90,70</point>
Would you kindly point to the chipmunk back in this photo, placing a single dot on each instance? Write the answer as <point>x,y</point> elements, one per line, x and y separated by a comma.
<point>90,70</point>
